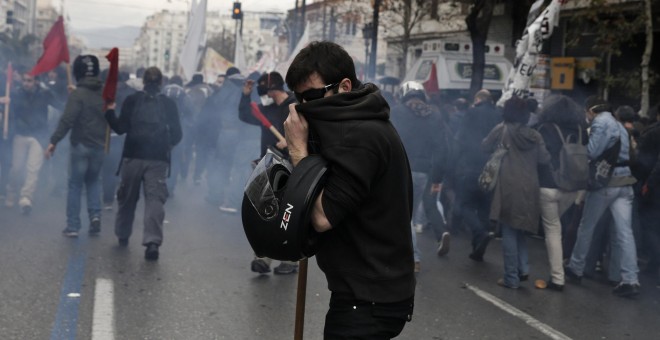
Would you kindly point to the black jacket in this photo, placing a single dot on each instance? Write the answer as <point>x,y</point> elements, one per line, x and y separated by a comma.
<point>367,197</point>
<point>424,139</point>
<point>83,115</point>
<point>554,144</point>
<point>276,115</point>
<point>477,124</point>
<point>28,115</point>
<point>155,150</point>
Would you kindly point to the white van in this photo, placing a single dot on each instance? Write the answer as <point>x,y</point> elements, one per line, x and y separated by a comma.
<point>453,63</point>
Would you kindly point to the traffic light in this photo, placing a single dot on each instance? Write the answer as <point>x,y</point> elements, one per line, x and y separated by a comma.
<point>236,12</point>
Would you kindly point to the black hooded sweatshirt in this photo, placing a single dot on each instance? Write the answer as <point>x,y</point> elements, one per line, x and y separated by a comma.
<point>367,196</point>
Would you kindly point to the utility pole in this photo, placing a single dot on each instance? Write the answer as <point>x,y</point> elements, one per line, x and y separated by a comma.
<point>374,42</point>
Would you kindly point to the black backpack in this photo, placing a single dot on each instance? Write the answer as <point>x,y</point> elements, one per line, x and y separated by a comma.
<point>148,121</point>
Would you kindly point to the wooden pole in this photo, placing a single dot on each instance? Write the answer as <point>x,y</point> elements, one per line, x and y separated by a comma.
<point>69,81</point>
<point>300,300</point>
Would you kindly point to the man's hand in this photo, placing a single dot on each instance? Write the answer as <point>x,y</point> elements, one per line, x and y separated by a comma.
<point>296,132</point>
<point>4,100</point>
<point>50,150</point>
<point>71,88</point>
<point>436,188</point>
<point>247,87</point>
<point>281,145</point>
<point>111,106</point>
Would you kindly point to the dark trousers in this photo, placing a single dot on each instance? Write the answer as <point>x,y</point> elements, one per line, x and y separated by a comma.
<point>5,162</point>
<point>151,175</point>
<point>474,208</point>
<point>349,318</point>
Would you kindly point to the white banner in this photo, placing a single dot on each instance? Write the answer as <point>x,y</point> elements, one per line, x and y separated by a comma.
<point>193,47</point>
<point>527,49</point>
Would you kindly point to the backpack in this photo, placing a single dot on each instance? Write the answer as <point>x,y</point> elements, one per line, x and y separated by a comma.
<point>573,171</point>
<point>148,121</point>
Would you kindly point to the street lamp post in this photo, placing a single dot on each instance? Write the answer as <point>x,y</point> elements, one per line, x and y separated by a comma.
<point>367,32</point>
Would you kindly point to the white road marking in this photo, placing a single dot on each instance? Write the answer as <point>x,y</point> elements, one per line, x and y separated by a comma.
<point>103,324</point>
<point>540,326</point>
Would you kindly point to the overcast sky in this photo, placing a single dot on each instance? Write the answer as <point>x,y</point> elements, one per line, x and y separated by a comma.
<point>89,14</point>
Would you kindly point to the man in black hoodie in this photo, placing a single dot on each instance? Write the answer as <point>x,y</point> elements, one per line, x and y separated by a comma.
<point>151,122</point>
<point>365,208</point>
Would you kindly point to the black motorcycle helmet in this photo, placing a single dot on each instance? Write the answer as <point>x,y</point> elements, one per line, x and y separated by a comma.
<point>277,205</point>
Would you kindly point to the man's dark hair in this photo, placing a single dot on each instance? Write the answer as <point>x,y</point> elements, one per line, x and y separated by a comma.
<point>626,114</point>
<point>532,104</point>
<point>231,71</point>
<point>515,110</point>
<point>597,104</point>
<point>176,80</point>
<point>326,58</point>
<point>461,104</point>
<point>152,76</point>
<point>561,109</point>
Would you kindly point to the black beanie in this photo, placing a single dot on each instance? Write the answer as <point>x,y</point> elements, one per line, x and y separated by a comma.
<point>85,66</point>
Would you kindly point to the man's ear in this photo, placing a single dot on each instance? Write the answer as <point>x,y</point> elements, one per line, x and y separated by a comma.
<point>345,85</point>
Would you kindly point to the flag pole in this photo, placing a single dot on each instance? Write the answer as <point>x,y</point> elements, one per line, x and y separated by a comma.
<point>5,127</point>
<point>69,80</point>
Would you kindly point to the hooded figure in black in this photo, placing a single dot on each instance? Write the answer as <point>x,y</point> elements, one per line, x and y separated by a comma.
<point>151,123</point>
<point>364,210</point>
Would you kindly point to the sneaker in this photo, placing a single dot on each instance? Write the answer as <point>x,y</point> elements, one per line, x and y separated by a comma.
<point>572,276</point>
<point>70,233</point>
<point>500,282</point>
<point>228,209</point>
<point>286,268</point>
<point>476,257</point>
<point>443,245</point>
<point>95,226</point>
<point>626,290</point>
<point>523,277</point>
<point>123,242</point>
<point>556,287</point>
<point>151,253</point>
<point>419,228</point>
<point>26,205</point>
<point>108,206</point>
<point>259,266</point>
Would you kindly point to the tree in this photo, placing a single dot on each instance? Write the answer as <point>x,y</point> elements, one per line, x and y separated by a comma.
<point>646,58</point>
<point>404,16</point>
<point>478,23</point>
<point>611,28</point>
<point>223,43</point>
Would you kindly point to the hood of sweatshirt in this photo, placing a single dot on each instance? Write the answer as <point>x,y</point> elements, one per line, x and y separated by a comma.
<point>522,136</point>
<point>92,83</point>
<point>364,103</point>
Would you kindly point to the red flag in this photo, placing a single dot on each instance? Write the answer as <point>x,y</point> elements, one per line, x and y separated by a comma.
<point>431,85</point>
<point>260,116</point>
<point>110,89</point>
<point>56,49</point>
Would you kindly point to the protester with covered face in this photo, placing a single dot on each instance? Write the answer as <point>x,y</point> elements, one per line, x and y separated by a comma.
<point>83,116</point>
<point>274,105</point>
<point>151,123</point>
<point>420,128</point>
<point>364,210</point>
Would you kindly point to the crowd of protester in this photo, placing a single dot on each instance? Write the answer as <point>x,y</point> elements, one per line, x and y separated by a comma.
<point>612,228</point>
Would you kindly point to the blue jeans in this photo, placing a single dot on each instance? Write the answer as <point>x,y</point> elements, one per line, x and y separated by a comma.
<point>84,169</point>
<point>516,258</point>
<point>624,253</point>
<point>419,180</point>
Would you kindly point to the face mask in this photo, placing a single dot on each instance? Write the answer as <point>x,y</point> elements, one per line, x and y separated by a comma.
<point>266,100</point>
